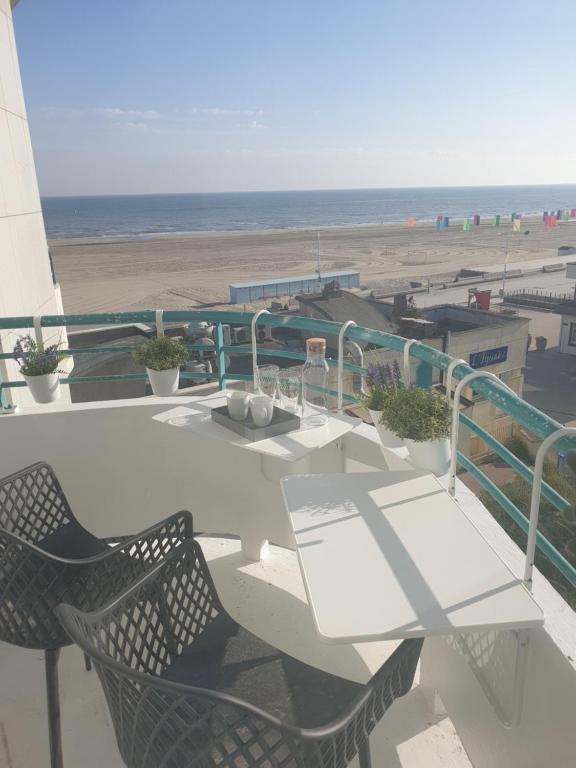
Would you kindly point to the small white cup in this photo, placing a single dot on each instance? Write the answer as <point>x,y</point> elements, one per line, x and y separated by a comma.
<point>262,410</point>
<point>238,403</point>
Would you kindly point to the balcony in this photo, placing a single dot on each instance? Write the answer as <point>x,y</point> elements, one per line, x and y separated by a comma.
<point>124,466</point>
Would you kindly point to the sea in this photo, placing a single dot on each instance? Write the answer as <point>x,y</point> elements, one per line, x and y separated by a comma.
<point>132,216</point>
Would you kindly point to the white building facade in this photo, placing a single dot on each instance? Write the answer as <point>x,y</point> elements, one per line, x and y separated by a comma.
<point>567,343</point>
<point>27,286</point>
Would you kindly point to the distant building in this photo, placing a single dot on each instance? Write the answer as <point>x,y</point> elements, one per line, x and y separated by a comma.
<point>340,306</point>
<point>568,323</point>
<point>568,329</point>
<point>561,304</point>
<point>272,288</point>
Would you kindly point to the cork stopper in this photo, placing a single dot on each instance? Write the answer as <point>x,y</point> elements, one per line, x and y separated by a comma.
<point>316,346</point>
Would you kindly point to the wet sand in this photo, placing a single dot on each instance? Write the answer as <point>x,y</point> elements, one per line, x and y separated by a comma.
<point>185,271</point>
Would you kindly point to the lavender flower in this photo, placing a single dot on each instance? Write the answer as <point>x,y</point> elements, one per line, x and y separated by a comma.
<point>380,374</point>
<point>34,361</point>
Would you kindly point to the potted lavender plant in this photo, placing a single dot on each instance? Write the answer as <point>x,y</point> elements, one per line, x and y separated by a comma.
<point>382,379</point>
<point>39,367</point>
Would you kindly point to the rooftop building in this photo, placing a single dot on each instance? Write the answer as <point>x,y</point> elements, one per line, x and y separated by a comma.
<point>563,304</point>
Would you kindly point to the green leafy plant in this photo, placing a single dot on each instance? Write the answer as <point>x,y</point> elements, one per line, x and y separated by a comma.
<point>161,353</point>
<point>416,414</point>
<point>519,448</point>
<point>34,361</point>
<point>376,398</point>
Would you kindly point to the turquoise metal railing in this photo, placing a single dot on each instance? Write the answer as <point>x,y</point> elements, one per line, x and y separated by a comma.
<point>513,461</point>
<point>507,401</point>
<point>548,550</point>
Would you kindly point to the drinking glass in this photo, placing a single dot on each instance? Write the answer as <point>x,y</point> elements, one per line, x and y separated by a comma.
<point>267,380</point>
<point>290,385</point>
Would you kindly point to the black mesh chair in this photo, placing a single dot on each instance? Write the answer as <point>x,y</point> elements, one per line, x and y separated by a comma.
<point>187,687</point>
<point>47,557</point>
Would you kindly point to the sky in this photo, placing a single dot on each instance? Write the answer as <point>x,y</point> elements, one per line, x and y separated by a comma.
<point>142,96</point>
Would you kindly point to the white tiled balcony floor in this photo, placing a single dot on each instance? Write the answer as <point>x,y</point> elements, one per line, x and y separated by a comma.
<point>269,598</point>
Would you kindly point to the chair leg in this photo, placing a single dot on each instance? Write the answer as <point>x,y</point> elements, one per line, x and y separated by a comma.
<point>364,755</point>
<point>87,662</point>
<point>53,698</point>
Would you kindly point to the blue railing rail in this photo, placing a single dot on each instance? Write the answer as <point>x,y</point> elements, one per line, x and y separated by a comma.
<point>507,401</point>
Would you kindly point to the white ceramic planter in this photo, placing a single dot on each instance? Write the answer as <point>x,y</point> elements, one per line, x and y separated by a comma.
<point>387,437</point>
<point>164,383</point>
<point>432,455</point>
<point>45,388</point>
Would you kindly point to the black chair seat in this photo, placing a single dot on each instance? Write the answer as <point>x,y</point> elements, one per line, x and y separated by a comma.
<point>230,659</point>
<point>72,541</point>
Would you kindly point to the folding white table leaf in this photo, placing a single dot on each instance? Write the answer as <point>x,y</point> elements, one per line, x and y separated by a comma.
<point>389,555</point>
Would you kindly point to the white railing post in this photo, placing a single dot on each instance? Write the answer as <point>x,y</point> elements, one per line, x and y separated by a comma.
<point>37,322</point>
<point>456,421</point>
<point>343,330</point>
<point>159,322</point>
<point>453,365</point>
<point>407,347</point>
<point>535,500</point>
<point>255,348</point>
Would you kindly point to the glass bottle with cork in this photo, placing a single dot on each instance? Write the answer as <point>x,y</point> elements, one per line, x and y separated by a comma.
<point>314,383</point>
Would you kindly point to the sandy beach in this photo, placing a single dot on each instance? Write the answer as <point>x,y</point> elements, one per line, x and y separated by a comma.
<point>98,275</point>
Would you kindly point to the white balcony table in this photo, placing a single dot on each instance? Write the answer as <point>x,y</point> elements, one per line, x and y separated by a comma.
<point>390,555</point>
<point>279,456</point>
<point>290,447</point>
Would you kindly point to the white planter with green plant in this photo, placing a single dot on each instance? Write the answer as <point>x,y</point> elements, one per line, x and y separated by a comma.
<point>162,357</point>
<point>421,417</point>
<point>381,379</point>
<point>39,367</point>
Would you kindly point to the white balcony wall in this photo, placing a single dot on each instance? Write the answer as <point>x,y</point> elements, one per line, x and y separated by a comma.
<point>26,287</point>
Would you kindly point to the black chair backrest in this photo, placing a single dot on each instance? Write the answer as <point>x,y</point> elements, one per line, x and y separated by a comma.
<point>32,508</point>
<point>33,504</point>
<point>153,620</point>
<point>161,724</point>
